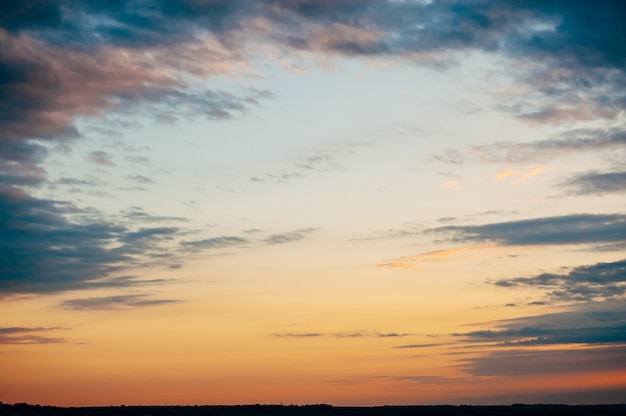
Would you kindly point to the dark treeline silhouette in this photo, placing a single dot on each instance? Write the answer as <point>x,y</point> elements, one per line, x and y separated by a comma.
<point>23,409</point>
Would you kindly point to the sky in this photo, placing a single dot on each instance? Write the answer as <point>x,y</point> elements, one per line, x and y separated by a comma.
<point>312,201</point>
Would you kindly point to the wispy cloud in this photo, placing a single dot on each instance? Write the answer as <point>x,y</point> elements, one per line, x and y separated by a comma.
<point>138,214</point>
<point>289,237</point>
<point>411,346</point>
<point>140,179</point>
<point>45,252</point>
<point>28,335</point>
<point>584,283</point>
<point>215,243</point>
<point>298,335</point>
<point>552,362</point>
<point>347,334</point>
<point>436,256</point>
<point>574,141</point>
<point>596,183</point>
<point>101,158</point>
<point>507,173</point>
<point>598,229</point>
<point>114,302</point>
<point>591,323</point>
<point>528,175</point>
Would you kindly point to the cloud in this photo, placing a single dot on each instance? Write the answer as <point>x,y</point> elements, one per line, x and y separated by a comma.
<point>113,302</point>
<point>419,346</point>
<point>590,323</point>
<point>289,236</point>
<point>531,363</point>
<point>453,185</point>
<point>281,178</point>
<point>355,334</point>
<point>215,243</point>
<point>53,246</point>
<point>436,256</point>
<point>91,181</point>
<point>530,174</point>
<point>596,183</point>
<point>27,335</point>
<point>580,140</point>
<point>506,173</point>
<point>63,60</point>
<point>607,229</point>
<point>138,214</point>
<point>101,158</point>
<point>109,49</point>
<point>370,334</point>
<point>584,283</point>
<point>140,179</point>
<point>299,335</point>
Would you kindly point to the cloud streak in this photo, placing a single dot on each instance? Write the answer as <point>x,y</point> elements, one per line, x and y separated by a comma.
<point>517,363</point>
<point>593,229</point>
<point>44,251</point>
<point>114,302</point>
<point>596,183</point>
<point>584,283</point>
<point>591,323</point>
<point>28,335</point>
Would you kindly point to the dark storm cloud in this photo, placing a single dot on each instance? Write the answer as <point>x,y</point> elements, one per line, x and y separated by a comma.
<point>603,229</point>
<point>24,335</point>
<point>583,283</point>
<point>596,183</point>
<point>43,251</point>
<point>114,302</point>
<point>591,323</point>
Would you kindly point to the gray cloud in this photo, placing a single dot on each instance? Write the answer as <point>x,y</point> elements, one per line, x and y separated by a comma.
<point>27,335</point>
<point>280,178</point>
<point>581,140</point>
<point>140,179</point>
<point>568,229</point>
<point>591,323</point>
<point>355,334</point>
<point>289,236</point>
<point>370,334</point>
<point>90,181</point>
<point>299,335</point>
<point>63,59</point>
<point>114,302</point>
<point>596,183</point>
<point>524,362</point>
<point>101,158</point>
<point>420,345</point>
<point>52,246</point>
<point>583,283</point>
<point>215,243</point>
<point>138,214</point>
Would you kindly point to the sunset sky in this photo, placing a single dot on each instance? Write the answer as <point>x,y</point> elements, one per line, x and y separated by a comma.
<point>357,202</point>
